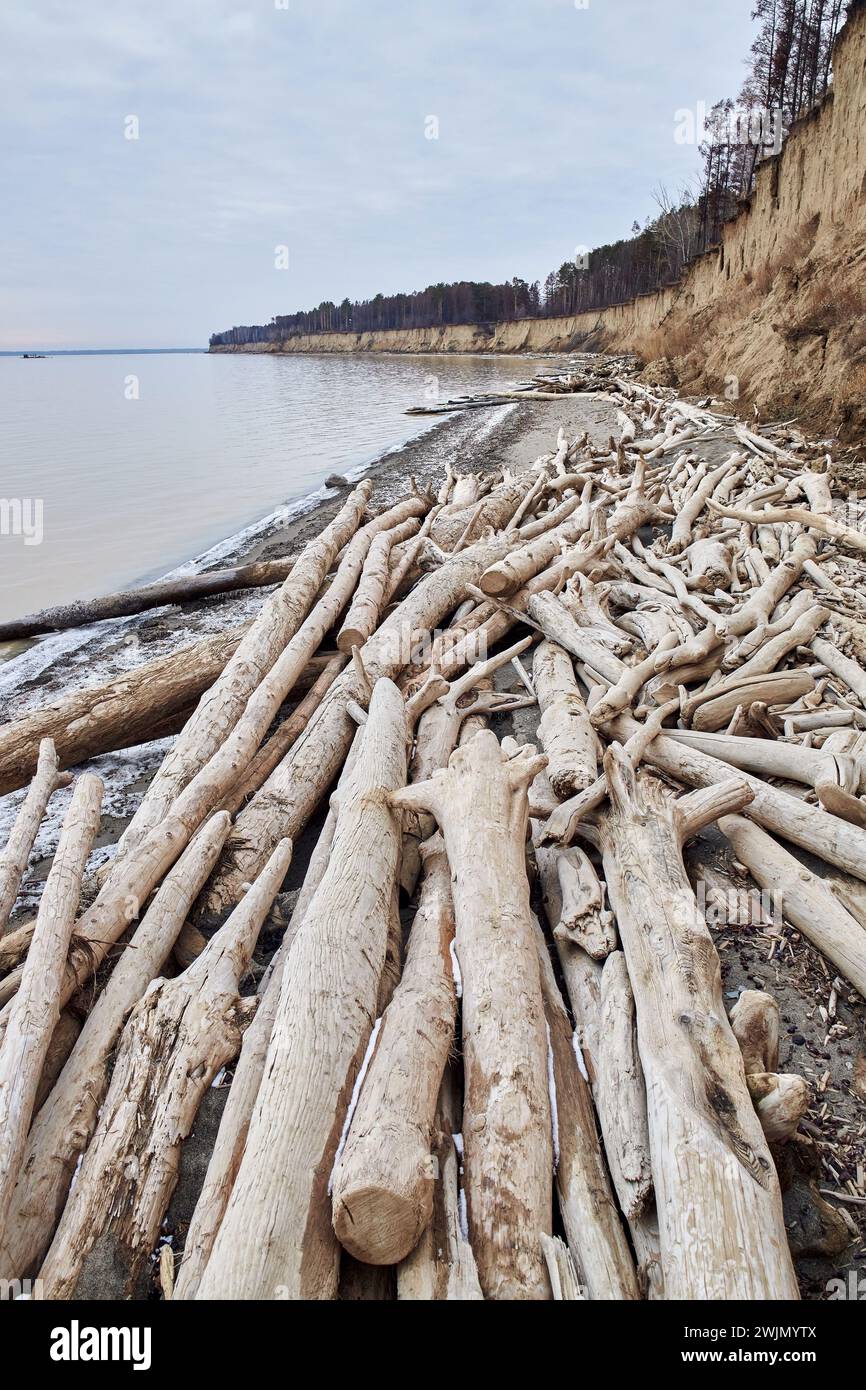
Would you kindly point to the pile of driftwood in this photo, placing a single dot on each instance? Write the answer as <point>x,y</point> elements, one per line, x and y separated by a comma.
<point>498,1103</point>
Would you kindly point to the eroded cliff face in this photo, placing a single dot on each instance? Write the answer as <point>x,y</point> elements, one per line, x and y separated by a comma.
<point>775,317</point>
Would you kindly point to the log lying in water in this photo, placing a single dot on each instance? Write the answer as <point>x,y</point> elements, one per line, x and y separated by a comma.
<point>184,589</point>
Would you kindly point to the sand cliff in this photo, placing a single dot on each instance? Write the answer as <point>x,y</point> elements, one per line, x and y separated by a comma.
<point>774,317</point>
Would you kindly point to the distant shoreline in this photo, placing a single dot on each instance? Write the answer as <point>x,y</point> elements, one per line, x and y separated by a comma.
<point>94,352</point>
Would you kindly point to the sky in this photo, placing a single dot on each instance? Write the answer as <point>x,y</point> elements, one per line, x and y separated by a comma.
<point>173,168</point>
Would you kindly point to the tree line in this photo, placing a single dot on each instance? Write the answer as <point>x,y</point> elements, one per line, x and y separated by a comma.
<point>788,70</point>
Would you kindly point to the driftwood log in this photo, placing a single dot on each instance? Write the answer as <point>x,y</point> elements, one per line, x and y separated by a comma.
<point>719,1206</point>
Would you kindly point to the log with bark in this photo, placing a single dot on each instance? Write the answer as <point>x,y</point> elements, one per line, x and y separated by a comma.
<point>185,588</point>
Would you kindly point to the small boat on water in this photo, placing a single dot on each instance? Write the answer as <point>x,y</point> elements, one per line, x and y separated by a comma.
<point>34,354</point>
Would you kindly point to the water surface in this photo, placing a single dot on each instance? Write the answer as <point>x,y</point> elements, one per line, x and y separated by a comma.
<point>137,462</point>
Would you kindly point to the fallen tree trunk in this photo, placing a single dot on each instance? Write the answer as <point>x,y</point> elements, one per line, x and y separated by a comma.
<point>63,1127</point>
<point>219,711</point>
<point>442,1265</point>
<point>290,795</point>
<point>768,757</point>
<point>16,855</point>
<point>620,1092</point>
<point>271,753</point>
<point>801,897</point>
<point>721,1226</point>
<point>235,1122</point>
<point>118,714</point>
<point>36,1010</point>
<point>383,1182</point>
<point>184,589</point>
<point>849,671</point>
<point>589,1214</point>
<point>276,1238</point>
<point>565,731</point>
<point>825,835</point>
<point>369,598</point>
<point>177,1038</point>
<point>480,803</point>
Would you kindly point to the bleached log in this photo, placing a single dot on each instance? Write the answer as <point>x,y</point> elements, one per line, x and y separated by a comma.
<point>802,602</point>
<point>383,1181</point>
<point>369,598</point>
<point>848,670</point>
<point>276,1238</point>
<point>218,712</point>
<point>831,839</point>
<point>565,730</point>
<point>466,490</point>
<point>288,798</point>
<point>635,510</point>
<point>709,564</point>
<point>551,617</point>
<point>770,757</point>
<point>756,611</point>
<point>64,1125</point>
<point>816,488</point>
<point>666,656</point>
<point>523,563</point>
<point>438,734</point>
<point>234,1125</point>
<point>16,854</point>
<point>480,803</point>
<point>583,918</point>
<point>802,516</point>
<point>802,897</point>
<point>580,972</point>
<point>780,1100</point>
<point>35,1010</point>
<point>721,1225</point>
<point>177,1038</point>
<point>442,1265</point>
<point>262,764</point>
<point>620,1092</point>
<point>148,702</point>
<point>777,688</point>
<point>498,509</point>
<point>586,1202</point>
<point>694,504</point>
<point>563,823</point>
<point>587,603</point>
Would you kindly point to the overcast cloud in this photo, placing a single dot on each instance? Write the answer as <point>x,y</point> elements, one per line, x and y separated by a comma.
<point>306,126</point>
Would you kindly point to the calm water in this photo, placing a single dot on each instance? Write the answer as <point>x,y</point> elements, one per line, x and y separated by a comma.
<point>130,488</point>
